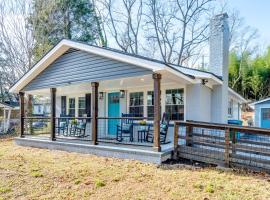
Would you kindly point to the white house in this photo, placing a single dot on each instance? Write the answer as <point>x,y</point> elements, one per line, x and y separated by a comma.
<point>97,85</point>
<point>41,106</point>
<point>186,94</point>
<point>8,115</point>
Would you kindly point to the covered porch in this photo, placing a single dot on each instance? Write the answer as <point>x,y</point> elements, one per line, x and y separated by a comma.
<point>98,114</point>
<point>103,97</point>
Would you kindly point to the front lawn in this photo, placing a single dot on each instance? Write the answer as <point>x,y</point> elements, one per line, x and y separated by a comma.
<point>29,173</point>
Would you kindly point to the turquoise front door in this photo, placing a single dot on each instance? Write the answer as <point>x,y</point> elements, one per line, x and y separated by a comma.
<point>113,111</point>
<point>265,118</point>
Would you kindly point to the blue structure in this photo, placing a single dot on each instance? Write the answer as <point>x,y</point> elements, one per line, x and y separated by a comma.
<point>262,113</point>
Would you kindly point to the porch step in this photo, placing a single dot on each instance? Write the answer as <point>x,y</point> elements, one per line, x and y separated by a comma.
<point>108,150</point>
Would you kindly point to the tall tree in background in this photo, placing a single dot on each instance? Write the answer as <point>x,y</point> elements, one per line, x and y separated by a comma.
<point>122,19</point>
<point>16,44</point>
<point>179,27</point>
<point>53,20</point>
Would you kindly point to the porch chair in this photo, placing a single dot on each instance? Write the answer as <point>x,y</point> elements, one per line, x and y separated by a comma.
<point>164,126</point>
<point>125,129</point>
<point>62,125</point>
<point>80,129</point>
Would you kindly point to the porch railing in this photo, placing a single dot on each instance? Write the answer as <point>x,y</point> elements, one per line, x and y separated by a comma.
<point>125,130</point>
<point>74,128</point>
<point>137,131</point>
<point>37,126</point>
<point>232,146</point>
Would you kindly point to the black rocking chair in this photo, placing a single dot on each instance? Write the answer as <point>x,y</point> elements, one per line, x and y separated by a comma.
<point>80,129</point>
<point>164,126</point>
<point>125,129</point>
<point>62,125</point>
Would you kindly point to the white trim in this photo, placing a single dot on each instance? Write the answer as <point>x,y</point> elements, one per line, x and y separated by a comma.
<point>64,45</point>
<point>261,101</point>
<point>52,55</point>
<point>260,115</point>
<point>242,99</point>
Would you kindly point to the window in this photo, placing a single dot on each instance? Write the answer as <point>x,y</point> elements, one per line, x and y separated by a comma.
<point>71,106</point>
<point>136,104</point>
<point>265,113</point>
<point>175,104</point>
<point>81,107</point>
<point>150,104</point>
<point>230,107</point>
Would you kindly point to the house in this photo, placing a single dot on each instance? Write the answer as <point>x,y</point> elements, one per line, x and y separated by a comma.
<point>99,84</point>
<point>9,115</point>
<point>41,106</point>
<point>262,113</point>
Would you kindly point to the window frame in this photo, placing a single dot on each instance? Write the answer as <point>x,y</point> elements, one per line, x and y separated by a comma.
<point>140,107</point>
<point>230,108</point>
<point>81,108</point>
<point>69,98</point>
<point>181,106</point>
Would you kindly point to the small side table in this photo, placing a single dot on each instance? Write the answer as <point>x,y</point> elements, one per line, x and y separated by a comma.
<point>142,132</point>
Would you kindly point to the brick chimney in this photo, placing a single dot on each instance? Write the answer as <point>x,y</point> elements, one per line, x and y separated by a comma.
<point>219,64</point>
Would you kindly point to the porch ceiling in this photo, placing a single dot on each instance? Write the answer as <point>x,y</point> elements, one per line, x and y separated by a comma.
<point>110,85</point>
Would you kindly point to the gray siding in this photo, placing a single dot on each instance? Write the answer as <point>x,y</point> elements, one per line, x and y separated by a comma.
<point>258,108</point>
<point>78,66</point>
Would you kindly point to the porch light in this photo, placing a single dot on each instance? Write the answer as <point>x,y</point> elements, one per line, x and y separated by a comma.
<point>101,95</point>
<point>204,81</point>
<point>122,93</point>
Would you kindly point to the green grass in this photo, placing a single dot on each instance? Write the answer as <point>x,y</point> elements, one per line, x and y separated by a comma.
<point>29,173</point>
<point>99,183</point>
<point>5,190</point>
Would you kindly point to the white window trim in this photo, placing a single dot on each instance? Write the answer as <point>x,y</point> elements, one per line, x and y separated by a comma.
<point>163,97</point>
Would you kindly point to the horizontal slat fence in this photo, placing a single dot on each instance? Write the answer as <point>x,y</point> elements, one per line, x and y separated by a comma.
<point>223,144</point>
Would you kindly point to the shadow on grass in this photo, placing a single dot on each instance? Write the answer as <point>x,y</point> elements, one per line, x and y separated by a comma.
<point>186,164</point>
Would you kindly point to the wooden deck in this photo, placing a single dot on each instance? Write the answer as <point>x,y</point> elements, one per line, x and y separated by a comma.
<point>223,144</point>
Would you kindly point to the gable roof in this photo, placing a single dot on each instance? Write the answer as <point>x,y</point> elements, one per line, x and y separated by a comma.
<point>260,101</point>
<point>9,105</point>
<point>238,96</point>
<point>155,65</point>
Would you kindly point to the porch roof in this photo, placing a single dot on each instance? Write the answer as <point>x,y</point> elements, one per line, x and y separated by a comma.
<point>189,75</point>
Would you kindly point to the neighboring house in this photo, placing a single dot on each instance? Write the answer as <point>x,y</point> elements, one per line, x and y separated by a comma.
<point>9,115</point>
<point>262,113</point>
<point>41,106</point>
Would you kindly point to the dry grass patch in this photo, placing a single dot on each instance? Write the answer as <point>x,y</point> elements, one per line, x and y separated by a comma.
<point>29,173</point>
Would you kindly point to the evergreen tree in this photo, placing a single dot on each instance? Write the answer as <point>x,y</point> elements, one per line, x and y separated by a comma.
<point>53,20</point>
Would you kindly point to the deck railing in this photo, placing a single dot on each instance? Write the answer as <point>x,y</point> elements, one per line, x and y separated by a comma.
<point>229,145</point>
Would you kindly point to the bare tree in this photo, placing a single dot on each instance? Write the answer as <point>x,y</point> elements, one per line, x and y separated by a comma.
<point>179,27</point>
<point>123,19</point>
<point>242,41</point>
<point>16,42</point>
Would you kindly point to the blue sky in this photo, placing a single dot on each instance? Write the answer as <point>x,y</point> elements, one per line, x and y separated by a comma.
<point>256,14</point>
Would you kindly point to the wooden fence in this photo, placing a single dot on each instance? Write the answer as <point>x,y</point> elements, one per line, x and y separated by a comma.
<point>222,144</point>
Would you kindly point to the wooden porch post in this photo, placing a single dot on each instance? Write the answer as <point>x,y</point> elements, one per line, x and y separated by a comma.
<point>29,112</point>
<point>21,96</point>
<point>94,111</point>
<point>53,108</point>
<point>157,106</point>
